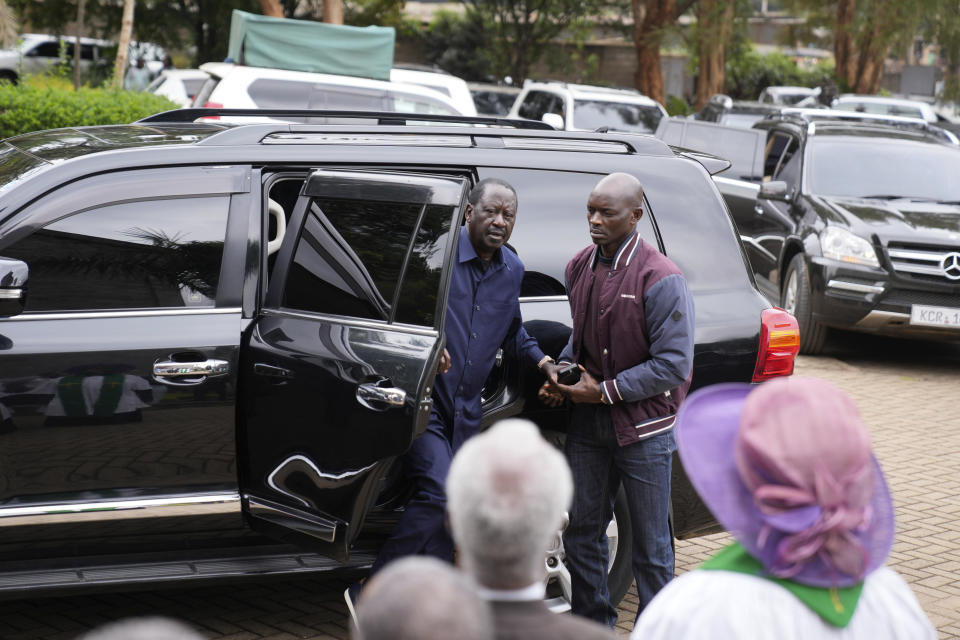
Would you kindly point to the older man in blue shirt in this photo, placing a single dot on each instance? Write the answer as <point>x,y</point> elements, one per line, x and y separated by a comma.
<point>483,315</point>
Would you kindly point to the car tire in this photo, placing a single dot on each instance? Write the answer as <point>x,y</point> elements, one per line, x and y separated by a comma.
<point>796,298</point>
<point>9,76</point>
<point>620,571</point>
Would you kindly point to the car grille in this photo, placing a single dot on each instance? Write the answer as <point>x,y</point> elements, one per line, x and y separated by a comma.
<point>925,262</point>
<point>907,297</point>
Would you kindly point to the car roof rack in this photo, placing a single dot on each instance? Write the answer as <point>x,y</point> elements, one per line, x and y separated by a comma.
<point>382,117</point>
<point>821,117</point>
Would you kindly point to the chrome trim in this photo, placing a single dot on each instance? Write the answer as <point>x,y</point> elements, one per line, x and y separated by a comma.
<point>355,322</point>
<point>759,247</point>
<point>310,524</point>
<point>271,479</point>
<point>546,144</point>
<point>149,313</point>
<point>208,368</point>
<point>853,286</point>
<point>908,254</point>
<point>880,319</point>
<point>394,139</point>
<point>733,182</point>
<point>112,506</point>
<point>11,294</point>
<point>918,268</point>
<point>543,299</point>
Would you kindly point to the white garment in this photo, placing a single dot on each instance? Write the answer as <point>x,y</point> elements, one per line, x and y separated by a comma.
<point>535,591</point>
<point>91,386</point>
<point>716,605</point>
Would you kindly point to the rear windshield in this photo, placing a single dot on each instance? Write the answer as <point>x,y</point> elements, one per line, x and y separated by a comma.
<point>592,114</point>
<point>884,168</point>
<point>880,108</point>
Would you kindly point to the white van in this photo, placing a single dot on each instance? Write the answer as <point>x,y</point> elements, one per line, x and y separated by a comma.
<point>234,86</point>
<point>449,85</point>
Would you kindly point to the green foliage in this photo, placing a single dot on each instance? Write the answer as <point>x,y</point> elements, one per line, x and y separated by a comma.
<point>381,13</point>
<point>458,44</point>
<point>50,103</point>
<point>750,73</point>
<point>677,106</point>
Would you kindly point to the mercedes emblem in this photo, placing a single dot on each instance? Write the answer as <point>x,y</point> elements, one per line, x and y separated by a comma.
<point>951,266</point>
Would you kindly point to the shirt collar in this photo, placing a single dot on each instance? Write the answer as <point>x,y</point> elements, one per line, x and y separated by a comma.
<point>466,252</point>
<point>626,244</point>
<point>535,591</point>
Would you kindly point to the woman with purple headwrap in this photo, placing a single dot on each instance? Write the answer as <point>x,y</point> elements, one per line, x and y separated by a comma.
<point>786,467</point>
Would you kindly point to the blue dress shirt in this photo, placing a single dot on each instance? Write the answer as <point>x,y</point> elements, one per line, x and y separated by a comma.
<point>483,314</point>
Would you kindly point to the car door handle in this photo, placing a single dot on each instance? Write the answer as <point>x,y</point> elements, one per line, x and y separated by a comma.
<point>378,398</point>
<point>189,373</point>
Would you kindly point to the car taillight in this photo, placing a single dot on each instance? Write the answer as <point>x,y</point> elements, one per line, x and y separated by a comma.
<point>779,344</point>
<point>212,105</point>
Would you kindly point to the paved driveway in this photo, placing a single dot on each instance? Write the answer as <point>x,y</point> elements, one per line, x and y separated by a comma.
<point>909,394</point>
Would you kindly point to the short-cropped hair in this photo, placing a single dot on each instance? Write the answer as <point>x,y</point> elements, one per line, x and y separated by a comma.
<point>507,492</point>
<point>149,628</point>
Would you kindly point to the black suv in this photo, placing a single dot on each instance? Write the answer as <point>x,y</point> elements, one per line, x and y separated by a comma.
<point>215,337</point>
<point>849,220</point>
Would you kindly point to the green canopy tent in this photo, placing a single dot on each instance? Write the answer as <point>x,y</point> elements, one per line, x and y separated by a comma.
<point>305,45</point>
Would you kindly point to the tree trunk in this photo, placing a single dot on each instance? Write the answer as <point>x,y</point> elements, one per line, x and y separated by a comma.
<point>649,22</point>
<point>843,42</point>
<point>333,11</point>
<point>714,29</point>
<point>81,7</point>
<point>271,8</point>
<point>123,43</point>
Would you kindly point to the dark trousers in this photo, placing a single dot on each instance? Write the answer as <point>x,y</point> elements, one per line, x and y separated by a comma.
<point>599,466</point>
<point>422,528</point>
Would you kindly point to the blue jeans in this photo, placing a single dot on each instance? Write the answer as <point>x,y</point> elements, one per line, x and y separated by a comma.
<point>599,466</point>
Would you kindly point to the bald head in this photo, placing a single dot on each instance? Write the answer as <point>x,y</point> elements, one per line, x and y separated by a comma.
<point>621,186</point>
<point>421,598</point>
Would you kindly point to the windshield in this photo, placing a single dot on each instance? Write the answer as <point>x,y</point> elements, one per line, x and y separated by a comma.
<point>884,167</point>
<point>592,114</point>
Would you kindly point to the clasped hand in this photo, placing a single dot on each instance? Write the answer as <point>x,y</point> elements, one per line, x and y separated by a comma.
<point>586,391</point>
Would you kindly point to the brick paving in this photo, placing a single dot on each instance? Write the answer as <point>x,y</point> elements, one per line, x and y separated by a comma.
<point>908,393</point>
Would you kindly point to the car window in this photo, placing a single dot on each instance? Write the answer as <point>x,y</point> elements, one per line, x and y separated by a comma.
<point>778,146</point>
<point>538,103</point>
<point>410,103</point>
<point>135,255</point>
<point>592,114</point>
<point>49,49</point>
<point>351,253</point>
<point>789,170</point>
<point>268,93</point>
<point>552,223</point>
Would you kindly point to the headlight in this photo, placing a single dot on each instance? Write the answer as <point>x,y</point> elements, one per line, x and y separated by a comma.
<point>840,244</point>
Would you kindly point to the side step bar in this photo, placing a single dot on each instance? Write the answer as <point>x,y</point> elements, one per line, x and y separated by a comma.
<point>22,583</point>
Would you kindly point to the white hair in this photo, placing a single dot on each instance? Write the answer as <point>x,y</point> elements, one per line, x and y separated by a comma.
<point>507,492</point>
<point>149,628</point>
<point>422,598</point>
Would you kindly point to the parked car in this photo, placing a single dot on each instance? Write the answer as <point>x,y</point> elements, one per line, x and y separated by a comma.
<point>577,107</point>
<point>216,339</point>
<point>179,85</point>
<point>36,52</point>
<point>449,85</point>
<point>848,223</point>
<point>724,110</point>
<point>493,99</point>
<point>786,95</point>
<point>240,87</point>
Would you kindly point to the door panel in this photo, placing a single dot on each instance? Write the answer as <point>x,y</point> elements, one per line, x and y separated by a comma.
<point>337,370</point>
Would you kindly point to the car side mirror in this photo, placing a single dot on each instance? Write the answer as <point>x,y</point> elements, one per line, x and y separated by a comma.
<point>776,190</point>
<point>13,287</point>
<point>555,120</point>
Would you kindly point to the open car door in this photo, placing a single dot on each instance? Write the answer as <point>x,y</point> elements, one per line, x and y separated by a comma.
<point>337,370</point>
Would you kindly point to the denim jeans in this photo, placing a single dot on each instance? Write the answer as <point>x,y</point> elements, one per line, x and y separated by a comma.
<point>599,466</point>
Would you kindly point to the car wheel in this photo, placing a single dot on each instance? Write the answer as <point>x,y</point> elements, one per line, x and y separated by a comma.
<point>619,572</point>
<point>9,76</point>
<point>796,298</point>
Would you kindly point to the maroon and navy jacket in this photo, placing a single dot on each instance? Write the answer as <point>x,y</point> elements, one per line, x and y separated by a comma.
<point>646,326</point>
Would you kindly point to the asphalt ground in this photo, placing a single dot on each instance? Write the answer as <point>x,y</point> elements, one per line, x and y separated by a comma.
<point>908,393</point>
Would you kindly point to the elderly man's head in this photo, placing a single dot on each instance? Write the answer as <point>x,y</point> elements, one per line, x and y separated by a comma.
<point>421,598</point>
<point>507,492</point>
<point>148,628</point>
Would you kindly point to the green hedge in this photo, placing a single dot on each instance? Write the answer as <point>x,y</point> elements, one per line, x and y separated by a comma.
<point>31,106</point>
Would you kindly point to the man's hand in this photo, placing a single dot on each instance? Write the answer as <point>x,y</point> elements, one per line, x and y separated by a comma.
<point>550,397</point>
<point>587,391</point>
<point>444,362</point>
<point>550,370</point>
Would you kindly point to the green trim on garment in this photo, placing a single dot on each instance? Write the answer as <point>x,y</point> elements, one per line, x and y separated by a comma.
<point>835,605</point>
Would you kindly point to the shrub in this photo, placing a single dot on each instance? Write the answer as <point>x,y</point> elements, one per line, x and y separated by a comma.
<point>677,106</point>
<point>51,103</point>
<point>750,73</point>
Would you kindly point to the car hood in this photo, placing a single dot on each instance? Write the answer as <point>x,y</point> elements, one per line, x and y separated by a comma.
<point>909,220</point>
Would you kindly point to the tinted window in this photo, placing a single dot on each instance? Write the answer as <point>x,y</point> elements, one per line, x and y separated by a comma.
<point>552,223</point>
<point>346,98</point>
<point>46,50</point>
<point>349,257</point>
<point>408,103</point>
<point>157,253</point>
<point>421,281</point>
<point>280,94</point>
<point>592,114</point>
<point>879,167</point>
<point>538,103</point>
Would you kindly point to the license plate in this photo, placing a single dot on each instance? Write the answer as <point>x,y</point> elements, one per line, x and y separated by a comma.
<point>934,316</point>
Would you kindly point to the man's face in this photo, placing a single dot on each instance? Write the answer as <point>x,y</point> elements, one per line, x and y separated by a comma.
<point>612,216</point>
<point>490,221</point>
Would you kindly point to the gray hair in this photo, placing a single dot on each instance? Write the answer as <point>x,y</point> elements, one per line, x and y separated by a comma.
<point>149,628</point>
<point>507,491</point>
<point>421,598</point>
